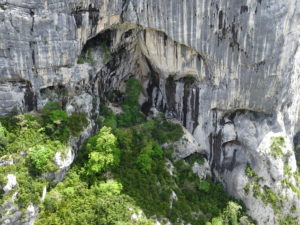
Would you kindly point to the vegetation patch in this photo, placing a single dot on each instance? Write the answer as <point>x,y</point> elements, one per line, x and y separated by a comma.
<point>122,170</point>
<point>195,158</point>
<point>119,176</point>
<point>188,79</point>
<point>276,146</point>
<point>132,114</point>
<point>287,220</point>
<point>31,140</point>
<point>287,183</point>
<point>266,194</point>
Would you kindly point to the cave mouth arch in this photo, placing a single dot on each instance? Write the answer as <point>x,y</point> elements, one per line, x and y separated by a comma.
<point>103,38</point>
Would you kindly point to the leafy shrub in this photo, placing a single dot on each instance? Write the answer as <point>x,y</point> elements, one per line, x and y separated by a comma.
<point>247,188</point>
<point>251,173</point>
<point>166,131</point>
<point>232,215</point>
<point>276,146</point>
<point>29,191</point>
<point>125,139</point>
<point>133,90</point>
<point>150,151</point>
<point>58,117</point>
<point>76,123</point>
<point>51,106</point>
<point>195,157</point>
<point>204,185</point>
<point>80,60</point>
<point>41,156</point>
<point>2,131</point>
<point>24,139</point>
<point>110,121</point>
<point>58,125</point>
<point>287,220</point>
<point>9,123</point>
<point>3,139</point>
<point>144,161</point>
<point>89,58</point>
<point>271,197</point>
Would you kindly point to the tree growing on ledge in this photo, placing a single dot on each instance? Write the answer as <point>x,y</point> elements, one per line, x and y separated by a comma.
<point>104,153</point>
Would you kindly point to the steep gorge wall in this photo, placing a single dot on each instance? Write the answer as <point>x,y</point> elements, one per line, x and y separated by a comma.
<point>228,70</point>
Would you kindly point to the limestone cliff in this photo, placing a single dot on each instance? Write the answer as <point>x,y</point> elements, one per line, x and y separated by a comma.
<point>227,70</point>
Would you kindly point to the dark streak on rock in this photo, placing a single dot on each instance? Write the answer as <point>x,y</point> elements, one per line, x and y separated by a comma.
<point>216,151</point>
<point>165,39</point>
<point>170,87</point>
<point>244,9</point>
<point>33,57</point>
<point>220,20</point>
<point>153,82</point>
<point>233,162</point>
<point>195,111</point>
<point>30,100</point>
<point>78,18</point>
<point>234,33</point>
<point>185,108</point>
<point>32,16</point>
<point>93,15</point>
<point>224,30</point>
<point>145,35</point>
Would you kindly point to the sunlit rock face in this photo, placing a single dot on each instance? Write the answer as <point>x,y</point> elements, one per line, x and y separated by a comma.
<point>227,70</point>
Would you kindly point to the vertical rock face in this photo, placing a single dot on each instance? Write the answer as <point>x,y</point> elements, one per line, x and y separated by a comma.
<point>227,70</point>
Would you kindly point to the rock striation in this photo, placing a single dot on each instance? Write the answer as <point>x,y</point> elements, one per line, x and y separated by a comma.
<point>227,70</point>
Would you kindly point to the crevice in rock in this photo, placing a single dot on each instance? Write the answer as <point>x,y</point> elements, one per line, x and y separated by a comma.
<point>125,4</point>
<point>31,13</point>
<point>32,55</point>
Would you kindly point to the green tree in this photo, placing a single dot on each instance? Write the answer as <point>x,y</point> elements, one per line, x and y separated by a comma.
<point>103,150</point>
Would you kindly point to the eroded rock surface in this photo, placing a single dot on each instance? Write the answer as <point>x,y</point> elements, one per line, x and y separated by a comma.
<point>227,70</point>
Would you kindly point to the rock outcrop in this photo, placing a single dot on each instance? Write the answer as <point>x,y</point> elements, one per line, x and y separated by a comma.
<point>227,70</point>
